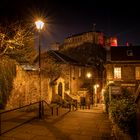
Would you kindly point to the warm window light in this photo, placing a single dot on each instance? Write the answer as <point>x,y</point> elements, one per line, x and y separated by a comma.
<point>137,73</point>
<point>39,24</point>
<point>117,72</point>
<point>88,75</point>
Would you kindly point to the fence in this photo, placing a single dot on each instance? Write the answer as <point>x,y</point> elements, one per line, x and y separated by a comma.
<point>14,118</point>
<point>11,119</point>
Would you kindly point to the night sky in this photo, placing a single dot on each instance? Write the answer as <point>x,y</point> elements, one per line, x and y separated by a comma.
<point>64,18</point>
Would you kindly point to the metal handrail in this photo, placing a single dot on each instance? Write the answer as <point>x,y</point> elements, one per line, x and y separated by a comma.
<point>39,110</point>
<point>52,106</point>
<point>17,125</point>
<point>46,103</point>
<point>17,108</point>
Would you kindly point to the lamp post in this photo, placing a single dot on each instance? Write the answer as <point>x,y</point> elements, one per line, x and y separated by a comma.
<point>95,89</point>
<point>89,76</point>
<point>39,25</point>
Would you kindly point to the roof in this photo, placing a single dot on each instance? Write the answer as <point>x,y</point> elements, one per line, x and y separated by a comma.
<point>125,53</point>
<point>62,58</point>
<point>74,35</point>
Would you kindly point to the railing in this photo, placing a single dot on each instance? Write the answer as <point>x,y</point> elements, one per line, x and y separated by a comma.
<point>14,118</point>
<point>73,105</point>
<point>56,109</point>
<point>50,109</point>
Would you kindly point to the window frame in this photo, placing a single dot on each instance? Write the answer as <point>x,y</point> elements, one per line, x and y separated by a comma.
<point>137,73</point>
<point>117,73</point>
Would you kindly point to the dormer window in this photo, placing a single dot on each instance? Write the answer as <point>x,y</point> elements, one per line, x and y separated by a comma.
<point>129,53</point>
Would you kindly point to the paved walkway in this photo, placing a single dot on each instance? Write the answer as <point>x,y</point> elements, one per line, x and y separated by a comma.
<point>85,124</point>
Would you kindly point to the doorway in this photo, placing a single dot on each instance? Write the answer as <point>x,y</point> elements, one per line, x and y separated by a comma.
<point>60,89</point>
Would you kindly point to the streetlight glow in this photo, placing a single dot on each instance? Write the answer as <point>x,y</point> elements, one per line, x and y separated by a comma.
<point>39,24</point>
<point>96,86</point>
<point>89,75</point>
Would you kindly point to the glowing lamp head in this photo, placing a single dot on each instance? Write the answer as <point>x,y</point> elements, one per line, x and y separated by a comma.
<point>39,24</point>
<point>89,75</point>
<point>97,85</point>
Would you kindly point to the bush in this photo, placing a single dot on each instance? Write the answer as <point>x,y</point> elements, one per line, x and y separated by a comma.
<point>7,75</point>
<point>123,112</point>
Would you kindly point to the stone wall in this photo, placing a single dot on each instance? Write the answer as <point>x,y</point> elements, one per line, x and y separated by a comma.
<point>26,86</point>
<point>26,89</point>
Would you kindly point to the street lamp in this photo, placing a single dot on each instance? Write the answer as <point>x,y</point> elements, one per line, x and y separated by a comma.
<point>39,25</point>
<point>95,89</point>
<point>89,75</point>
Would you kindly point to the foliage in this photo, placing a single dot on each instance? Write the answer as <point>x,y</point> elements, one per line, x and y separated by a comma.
<point>16,41</point>
<point>88,53</point>
<point>123,111</point>
<point>25,54</point>
<point>106,97</point>
<point>8,72</point>
<point>51,68</point>
<point>95,54</point>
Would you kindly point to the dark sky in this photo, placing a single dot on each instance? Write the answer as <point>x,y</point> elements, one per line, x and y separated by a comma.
<point>116,18</point>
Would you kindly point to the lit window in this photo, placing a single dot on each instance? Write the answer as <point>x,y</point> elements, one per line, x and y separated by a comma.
<point>117,73</point>
<point>137,72</point>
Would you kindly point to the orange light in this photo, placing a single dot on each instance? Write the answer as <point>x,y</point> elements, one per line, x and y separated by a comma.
<point>89,75</point>
<point>113,41</point>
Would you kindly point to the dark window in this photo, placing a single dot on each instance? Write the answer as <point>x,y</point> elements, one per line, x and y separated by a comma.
<point>129,53</point>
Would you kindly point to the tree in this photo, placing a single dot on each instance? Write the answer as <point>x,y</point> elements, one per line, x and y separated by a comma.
<point>123,111</point>
<point>51,67</point>
<point>87,53</point>
<point>8,73</point>
<point>16,41</point>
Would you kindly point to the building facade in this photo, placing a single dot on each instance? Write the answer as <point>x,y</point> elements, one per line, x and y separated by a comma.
<point>87,37</point>
<point>123,67</point>
<point>73,79</point>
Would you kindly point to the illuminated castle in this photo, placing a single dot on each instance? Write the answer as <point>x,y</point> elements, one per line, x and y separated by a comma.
<point>98,38</point>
